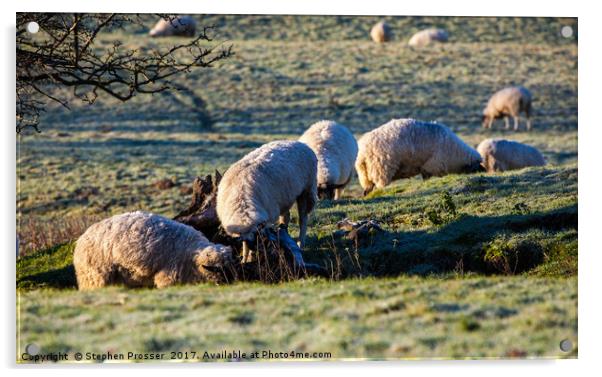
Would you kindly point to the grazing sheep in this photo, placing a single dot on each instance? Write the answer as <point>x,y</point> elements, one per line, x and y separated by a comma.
<point>182,26</point>
<point>381,32</point>
<point>263,186</point>
<point>424,37</point>
<point>501,155</point>
<point>336,150</point>
<point>508,102</point>
<point>403,148</point>
<point>140,249</point>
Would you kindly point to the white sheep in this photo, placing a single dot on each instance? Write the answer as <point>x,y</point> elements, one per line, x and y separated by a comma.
<point>381,32</point>
<point>501,155</point>
<point>140,249</point>
<point>403,148</point>
<point>184,26</point>
<point>425,37</point>
<point>263,186</point>
<point>336,150</point>
<point>508,102</point>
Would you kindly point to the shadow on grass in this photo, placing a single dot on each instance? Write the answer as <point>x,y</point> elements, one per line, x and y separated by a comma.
<point>58,278</point>
<point>508,244</point>
<point>49,268</point>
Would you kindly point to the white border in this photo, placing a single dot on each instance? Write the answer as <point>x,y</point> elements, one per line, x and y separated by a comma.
<point>589,203</point>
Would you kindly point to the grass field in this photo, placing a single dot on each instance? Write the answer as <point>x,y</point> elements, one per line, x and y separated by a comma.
<point>495,275</point>
<point>369,318</point>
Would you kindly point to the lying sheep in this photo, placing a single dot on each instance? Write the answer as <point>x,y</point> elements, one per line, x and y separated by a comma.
<point>140,249</point>
<point>381,32</point>
<point>263,186</point>
<point>182,26</point>
<point>425,37</point>
<point>501,155</point>
<point>508,102</point>
<point>403,148</point>
<point>336,150</point>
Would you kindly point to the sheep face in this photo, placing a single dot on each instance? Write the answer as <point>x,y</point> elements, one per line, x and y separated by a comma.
<point>368,189</point>
<point>366,184</point>
<point>475,167</point>
<point>488,118</point>
<point>248,240</point>
<point>247,236</point>
<point>214,263</point>
<point>326,192</point>
<point>484,121</point>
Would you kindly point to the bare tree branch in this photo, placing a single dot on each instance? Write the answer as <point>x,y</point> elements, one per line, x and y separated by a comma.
<point>64,54</point>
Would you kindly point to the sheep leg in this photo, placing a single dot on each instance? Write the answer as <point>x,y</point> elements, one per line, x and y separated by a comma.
<point>305,203</point>
<point>507,123</point>
<point>528,115</point>
<point>302,227</point>
<point>163,279</point>
<point>90,278</point>
<point>285,218</point>
<point>516,123</point>
<point>246,252</point>
<point>338,192</point>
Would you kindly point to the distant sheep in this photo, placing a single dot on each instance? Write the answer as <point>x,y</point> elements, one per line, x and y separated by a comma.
<point>425,37</point>
<point>182,26</point>
<point>501,155</point>
<point>140,249</point>
<point>381,32</point>
<point>403,148</point>
<point>264,185</point>
<point>508,102</point>
<point>336,150</point>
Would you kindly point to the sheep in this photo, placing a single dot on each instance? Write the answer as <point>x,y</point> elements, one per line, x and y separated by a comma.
<point>381,32</point>
<point>263,186</point>
<point>183,26</point>
<point>403,148</point>
<point>507,102</point>
<point>336,150</point>
<point>424,37</point>
<point>140,249</point>
<point>501,155</point>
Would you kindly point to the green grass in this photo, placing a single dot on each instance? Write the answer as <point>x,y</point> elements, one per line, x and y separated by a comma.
<point>48,268</point>
<point>480,265</point>
<point>445,317</point>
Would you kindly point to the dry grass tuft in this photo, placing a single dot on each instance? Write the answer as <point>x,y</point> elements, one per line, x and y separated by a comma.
<point>38,234</point>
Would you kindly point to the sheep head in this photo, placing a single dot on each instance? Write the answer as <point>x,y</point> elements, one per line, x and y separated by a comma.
<point>326,192</point>
<point>368,189</point>
<point>475,167</point>
<point>215,263</point>
<point>484,120</point>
